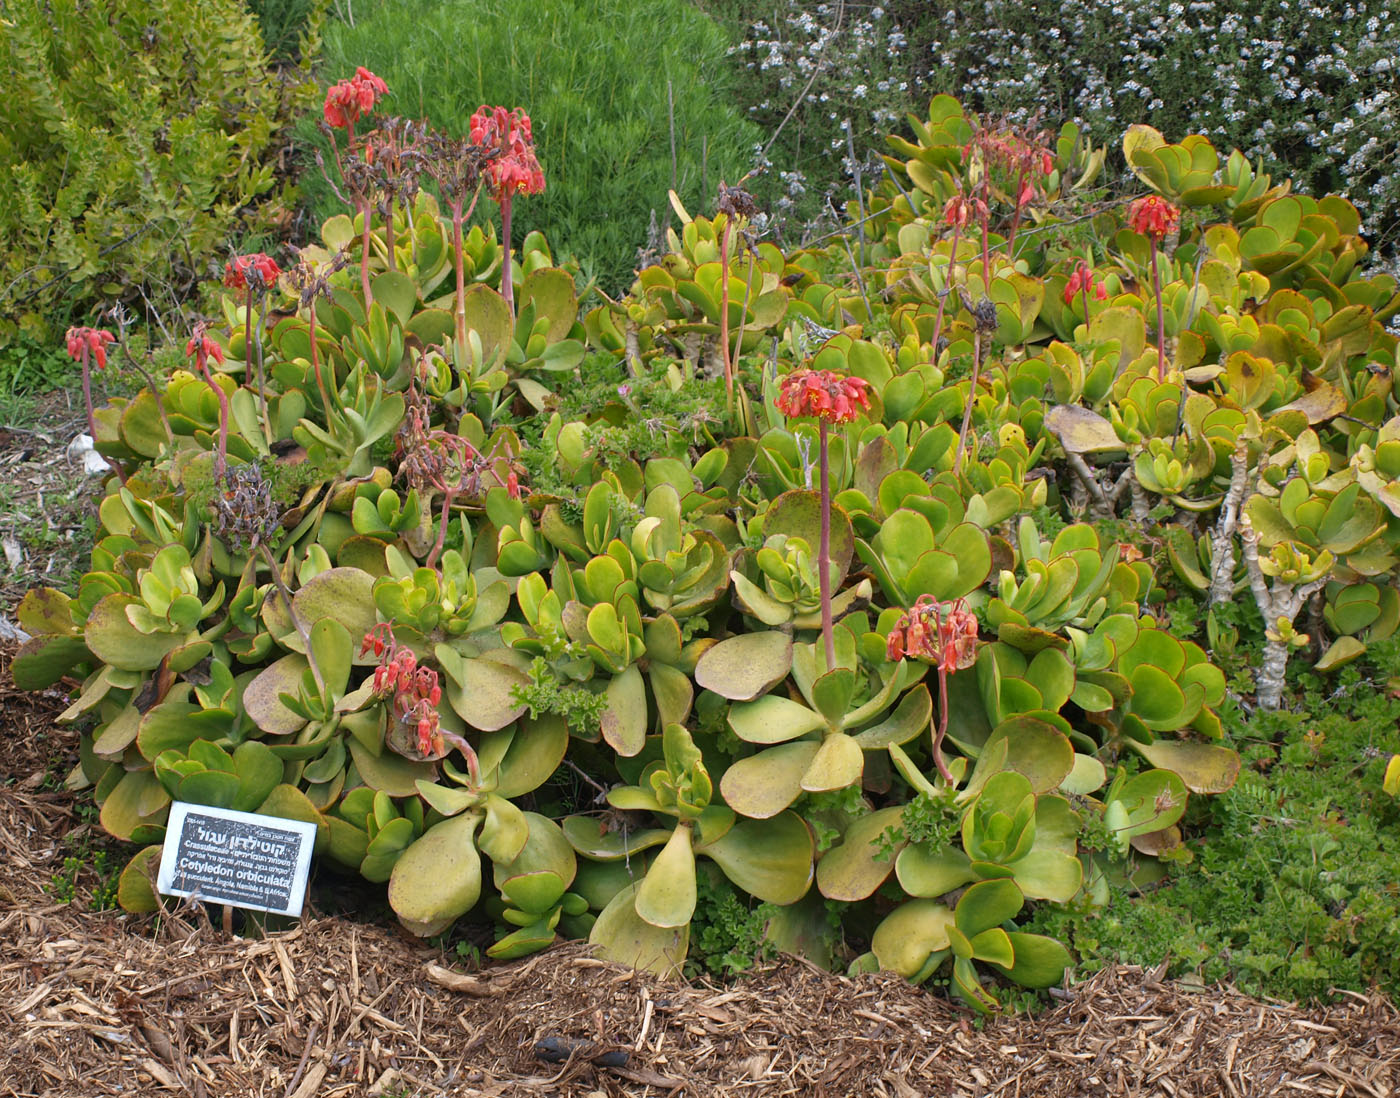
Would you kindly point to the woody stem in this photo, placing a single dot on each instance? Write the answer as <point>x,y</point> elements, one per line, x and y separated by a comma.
<point>824,548</point>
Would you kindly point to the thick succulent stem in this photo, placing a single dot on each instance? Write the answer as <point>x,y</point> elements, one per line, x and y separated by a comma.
<point>824,548</point>
<point>1222,572</point>
<point>1161,321</point>
<point>1281,604</point>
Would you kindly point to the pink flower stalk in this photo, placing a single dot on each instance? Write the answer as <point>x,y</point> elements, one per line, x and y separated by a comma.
<point>828,397</point>
<point>943,634</point>
<point>201,348</point>
<point>516,170</point>
<point>1083,282</point>
<point>85,346</point>
<point>1155,218</point>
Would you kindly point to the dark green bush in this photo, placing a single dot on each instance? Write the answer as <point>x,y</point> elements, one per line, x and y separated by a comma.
<point>592,74</point>
<point>132,137</point>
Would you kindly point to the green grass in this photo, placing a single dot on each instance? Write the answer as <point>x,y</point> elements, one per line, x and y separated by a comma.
<point>593,76</point>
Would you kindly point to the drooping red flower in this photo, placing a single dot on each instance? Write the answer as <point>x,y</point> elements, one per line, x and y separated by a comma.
<point>960,209</point>
<point>256,267</point>
<point>940,633</point>
<point>92,340</point>
<point>1084,279</point>
<point>516,170</point>
<point>1153,217</point>
<point>350,100</point>
<point>202,348</point>
<point>823,394</point>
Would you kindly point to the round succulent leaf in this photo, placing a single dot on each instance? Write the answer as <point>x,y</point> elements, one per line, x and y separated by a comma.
<point>345,595</point>
<point>909,934</point>
<point>389,772</point>
<point>1045,874</point>
<point>384,850</point>
<point>1040,961</point>
<point>259,772</point>
<point>839,763</point>
<point>43,660</point>
<point>931,874</point>
<point>587,835</point>
<point>439,876</point>
<point>988,904</point>
<point>854,869</point>
<point>623,936</point>
<point>673,692</point>
<point>347,844</point>
<point>536,749</point>
<point>546,849</point>
<point>798,513</point>
<point>667,894</point>
<point>135,891</point>
<point>292,804</point>
<point>770,860</point>
<point>1087,776</point>
<point>993,946</point>
<point>504,831</point>
<point>624,721</point>
<point>262,697</point>
<point>111,637</point>
<point>762,785</point>
<point>746,666</point>
<point>909,719</point>
<point>773,719</point>
<point>214,788</point>
<point>482,690</point>
<point>1157,700</point>
<point>1341,651</point>
<point>1037,750</point>
<point>136,799</point>
<point>534,893</point>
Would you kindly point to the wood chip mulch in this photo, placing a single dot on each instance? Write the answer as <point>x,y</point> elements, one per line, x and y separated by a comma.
<point>98,1003</point>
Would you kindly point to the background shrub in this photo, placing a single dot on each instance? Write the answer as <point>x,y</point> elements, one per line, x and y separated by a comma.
<point>133,134</point>
<point>1309,86</point>
<point>592,74</point>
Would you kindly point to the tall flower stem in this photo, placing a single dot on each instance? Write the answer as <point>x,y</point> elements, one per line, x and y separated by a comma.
<point>316,364</point>
<point>286,597</point>
<point>389,234</point>
<point>941,730</point>
<point>824,546</point>
<point>971,399</point>
<point>459,216</point>
<point>943,297</point>
<point>262,384</point>
<point>364,253</point>
<point>724,316</point>
<point>1015,217</point>
<point>1161,322</point>
<point>985,217</point>
<point>507,290</point>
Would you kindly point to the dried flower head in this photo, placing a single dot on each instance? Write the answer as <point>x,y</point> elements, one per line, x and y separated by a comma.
<point>515,169</point>
<point>89,341</point>
<point>823,394</point>
<point>1153,217</point>
<point>245,513</point>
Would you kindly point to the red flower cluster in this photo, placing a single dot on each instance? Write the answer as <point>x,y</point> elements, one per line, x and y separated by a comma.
<point>515,170</point>
<point>202,349</point>
<point>350,100</point>
<point>941,633</point>
<point>960,209</point>
<point>259,269</point>
<point>1083,279</point>
<point>823,394</point>
<point>1153,217</point>
<point>81,341</point>
<point>1020,155</point>
<point>416,691</point>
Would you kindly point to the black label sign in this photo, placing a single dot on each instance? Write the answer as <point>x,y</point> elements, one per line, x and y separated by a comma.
<point>236,858</point>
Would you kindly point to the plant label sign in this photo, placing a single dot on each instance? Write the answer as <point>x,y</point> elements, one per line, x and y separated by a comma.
<point>236,858</point>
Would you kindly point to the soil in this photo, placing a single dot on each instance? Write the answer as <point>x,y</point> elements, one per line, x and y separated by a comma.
<point>103,1003</point>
